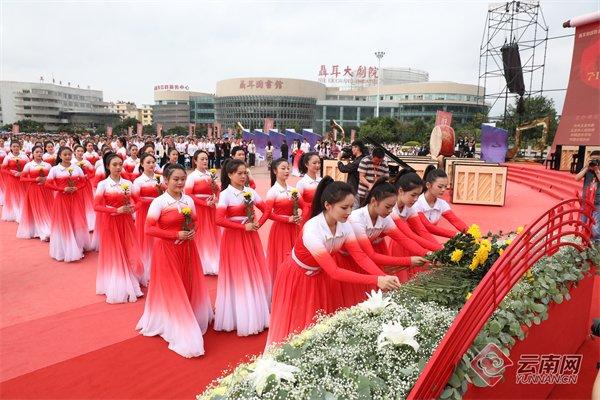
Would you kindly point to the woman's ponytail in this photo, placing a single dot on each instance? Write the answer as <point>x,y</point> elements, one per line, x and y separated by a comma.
<point>380,190</point>
<point>329,191</point>
<point>431,174</point>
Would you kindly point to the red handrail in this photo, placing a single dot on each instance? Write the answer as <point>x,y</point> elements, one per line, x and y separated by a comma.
<point>542,237</point>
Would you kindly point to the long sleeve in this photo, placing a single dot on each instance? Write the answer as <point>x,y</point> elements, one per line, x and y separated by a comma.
<point>152,229</point>
<point>398,236</point>
<point>361,258</point>
<point>350,167</point>
<point>100,203</point>
<point>327,263</point>
<point>419,235</point>
<point>266,212</point>
<point>222,220</point>
<point>51,184</point>
<point>455,221</point>
<point>436,230</point>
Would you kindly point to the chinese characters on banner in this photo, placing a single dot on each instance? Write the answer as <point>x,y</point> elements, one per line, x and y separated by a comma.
<point>268,125</point>
<point>217,130</point>
<point>191,130</point>
<point>260,84</point>
<point>443,118</point>
<point>171,87</point>
<point>339,75</point>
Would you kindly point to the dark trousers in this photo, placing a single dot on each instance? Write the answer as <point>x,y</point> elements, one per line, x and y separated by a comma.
<point>252,159</point>
<point>211,160</point>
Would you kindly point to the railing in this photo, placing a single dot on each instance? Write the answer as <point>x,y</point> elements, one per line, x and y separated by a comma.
<point>542,237</point>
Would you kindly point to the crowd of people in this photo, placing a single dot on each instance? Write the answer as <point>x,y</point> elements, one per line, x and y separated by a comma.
<point>155,223</point>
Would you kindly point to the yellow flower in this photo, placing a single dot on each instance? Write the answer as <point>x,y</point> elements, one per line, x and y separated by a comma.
<point>474,231</point>
<point>468,296</point>
<point>529,276</point>
<point>186,211</point>
<point>457,255</point>
<point>482,254</point>
<point>125,187</point>
<point>213,171</point>
<point>70,170</point>
<point>247,195</point>
<point>219,391</point>
<point>294,191</point>
<point>520,230</point>
<point>486,243</point>
<point>474,263</point>
<point>501,251</point>
<point>508,242</point>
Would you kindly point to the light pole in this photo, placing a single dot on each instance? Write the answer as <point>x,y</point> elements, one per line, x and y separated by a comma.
<point>379,55</point>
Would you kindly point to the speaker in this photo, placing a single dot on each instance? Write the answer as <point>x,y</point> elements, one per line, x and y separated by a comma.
<point>513,72</point>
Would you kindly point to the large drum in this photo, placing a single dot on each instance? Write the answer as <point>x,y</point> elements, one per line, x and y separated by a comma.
<point>442,141</point>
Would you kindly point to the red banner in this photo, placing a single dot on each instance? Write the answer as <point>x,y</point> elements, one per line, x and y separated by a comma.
<point>191,129</point>
<point>129,130</point>
<point>15,128</point>
<point>581,111</point>
<point>138,129</point>
<point>109,131</point>
<point>209,131</point>
<point>159,129</point>
<point>352,135</point>
<point>443,118</point>
<point>268,125</point>
<point>217,129</point>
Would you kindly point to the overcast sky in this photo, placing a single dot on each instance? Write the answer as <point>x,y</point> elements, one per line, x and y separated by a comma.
<point>126,47</point>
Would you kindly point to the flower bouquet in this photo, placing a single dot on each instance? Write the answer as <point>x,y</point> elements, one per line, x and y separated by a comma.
<point>126,192</point>
<point>213,181</point>
<point>295,197</point>
<point>159,187</point>
<point>188,223</point>
<point>70,181</point>
<point>249,205</point>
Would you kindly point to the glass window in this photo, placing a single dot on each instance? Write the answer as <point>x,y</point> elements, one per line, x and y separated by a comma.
<point>366,112</point>
<point>350,113</point>
<point>333,112</point>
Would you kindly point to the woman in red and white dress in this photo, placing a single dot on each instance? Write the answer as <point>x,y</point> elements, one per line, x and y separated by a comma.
<point>131,165</point>
<point>431,207</point>
<point>69,235</point>
<point>119,266</point>
<point>37,207</point>
<point>280,208</point>
<point>244,284</point>
<point>121,148</point>
<point>2,155</point>
<point>371,224</point>
<point>146,188</point>
<point>303,286</point>
<point>99,176</point>
<point>307,185</point>
<point>90,153</point>
<point>177,305</point>
<point>202,187</point>
<point>238,153</point>
<point>14,194</point>
<point>409,186</point>
<point>87,193</point>
<point>50,153</point>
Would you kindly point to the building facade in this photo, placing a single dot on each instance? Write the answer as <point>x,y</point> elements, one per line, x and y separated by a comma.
<point>124,109</point>
<point>144,114</point>
<point>52,105</point>
<point>177,107</point>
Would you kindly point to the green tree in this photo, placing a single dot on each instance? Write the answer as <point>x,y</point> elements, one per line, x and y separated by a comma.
<point>148,130</point>
<point>178,131</point>
<point>534,108</point>
<point>123,126</point>
<point>26,125</point>
<point>471,128</point>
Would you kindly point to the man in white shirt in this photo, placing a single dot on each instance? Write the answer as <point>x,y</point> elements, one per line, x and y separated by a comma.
<point>305,146</point>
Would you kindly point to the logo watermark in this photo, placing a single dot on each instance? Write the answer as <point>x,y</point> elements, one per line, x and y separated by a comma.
<point>558,369</point>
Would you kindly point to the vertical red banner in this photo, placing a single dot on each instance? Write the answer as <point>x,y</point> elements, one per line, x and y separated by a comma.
<point>352,135</point>
<point>217,130</point>
<point>138,129</point>
<point>191,129</point>
<point>15,128</point>
<point>159,129</point>
<point>443,118</point>
<point>109,131</point>
<point>268,124</point>
<point>209,131</point>
<point>129,130</point>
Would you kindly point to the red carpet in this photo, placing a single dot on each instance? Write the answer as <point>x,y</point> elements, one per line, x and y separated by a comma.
<point>58,340</point>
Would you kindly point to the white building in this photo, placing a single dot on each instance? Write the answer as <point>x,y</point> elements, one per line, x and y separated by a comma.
<point>52,104</point>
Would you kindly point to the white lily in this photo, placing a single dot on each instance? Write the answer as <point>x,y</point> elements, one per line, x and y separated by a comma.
<point>265,367</point>
<point>395,334</point>
<point>375,302</point>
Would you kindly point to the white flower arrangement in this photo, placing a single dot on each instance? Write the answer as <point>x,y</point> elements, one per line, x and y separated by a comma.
<point>375,302</point>
<point>395,334</point>
<point>265,368</point>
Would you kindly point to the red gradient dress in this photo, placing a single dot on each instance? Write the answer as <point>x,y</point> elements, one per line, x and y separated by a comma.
<point>119,265</point>
<point>87,193</point>
<point>99,176</point>
<point>2,188</point>
<point>201,187</point>
<point>244,283</point>
<point>177,304</point>
<point>303,286</point>
<point>431,215</point>
<point>14,190</point>
<point>145,190</point>
<point>69,235</point>
<point>50,158</point>
<point>91,157</point>
<point>37,207</point>
<point>307,187</point>
<point>131,168</point>
<point>283,234</point>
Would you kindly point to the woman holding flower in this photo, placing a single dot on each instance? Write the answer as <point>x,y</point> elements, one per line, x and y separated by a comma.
<point>146,188</point>
<point>69,235</point>
<point>308,282</point>
<point>121,148</point>
<point>431,207</point>
<point>12,166</point>
<point>90,153</point>
<point>239,153</point>
<point>131,164</point>
<point>119,266</point>
<point>283,206</point>
<point>244,284</point>
<point>201,185</point>
<point>49,154</point>
<point>177,305</point>
<point>37,205</point>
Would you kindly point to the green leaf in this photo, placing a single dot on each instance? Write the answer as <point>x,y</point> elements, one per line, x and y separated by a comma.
<point>454,381</point>
<point>446,393</point>
<point>494,327</point>
<point>558,298</point>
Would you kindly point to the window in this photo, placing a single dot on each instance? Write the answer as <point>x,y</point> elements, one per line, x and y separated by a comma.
<point>333,112</point>
<point>350,113</point>
<point>366,112</point>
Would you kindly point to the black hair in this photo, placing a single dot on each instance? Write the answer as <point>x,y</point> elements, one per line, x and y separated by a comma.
<point>303,167</point>
<point>431,174</point>
<point>595,153</point>
<point>361,146</point>
<point>408,180</point>
<point>169,168</point>
<point>196,154</point>
<point>60,150</point>
<point>85,144</point>
<point>46,143</point>
<point>142,158</point>
<point>78,146</point>
<point>123,141</point>
<point>378,152</point>
<point>106,159</point>
<point>104,148</point>
<point>236,149</point>
<point>329,191</point>
<point>380,190</point>
<point>229,166</point>
<point>145,147</point>
<point>273,169</point>
<point>34,148</point>
<point>172,149</point>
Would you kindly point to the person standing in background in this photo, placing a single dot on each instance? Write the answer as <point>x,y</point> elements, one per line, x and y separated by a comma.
<point>284,150</point>
<point>358,152</point>
<point>370,169</point>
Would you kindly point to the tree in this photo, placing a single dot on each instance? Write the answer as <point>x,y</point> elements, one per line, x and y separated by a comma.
<point>148,130</point>
<point>26,126</point>
<point>124,125</point>
<point>471,128</point>
<point>534,108</point>
<point>178,131</point>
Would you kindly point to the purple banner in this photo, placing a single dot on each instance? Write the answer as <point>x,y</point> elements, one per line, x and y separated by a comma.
<point>494,144</point>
